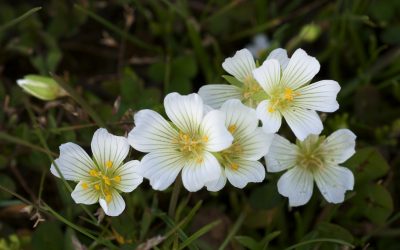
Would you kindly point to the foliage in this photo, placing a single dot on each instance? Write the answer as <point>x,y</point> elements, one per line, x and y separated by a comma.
<point>116,57</point>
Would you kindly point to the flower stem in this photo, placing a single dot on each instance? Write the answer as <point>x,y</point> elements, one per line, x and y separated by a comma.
<point>174,197</point>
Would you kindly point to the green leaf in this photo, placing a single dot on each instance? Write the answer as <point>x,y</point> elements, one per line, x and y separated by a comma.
<point>232,80</point>
<point>48,236</point>
<point>330,230</point>
<point>367,164</point>
<point>199,233</point>
<point>258,197</point>
<point>248,242</point>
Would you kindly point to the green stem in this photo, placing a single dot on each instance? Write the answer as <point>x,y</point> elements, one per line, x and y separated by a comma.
<point>341,242</point>
<point>174,197</point>
<point>16,140</point>
<point>234,230</point>
<point>19,19</point>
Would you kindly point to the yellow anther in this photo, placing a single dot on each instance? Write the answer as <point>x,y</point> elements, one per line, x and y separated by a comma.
<point>97,187</point>
<point>199,160</point>
<point>271,109</point>
<point>107,180</point>
<point>288,95</point>
<point>109,164</point>
<point>205,138</point>
<point>117,178</point>
<point>108,197</point>
<point>232,128</point>
<point>93,173</point>
<point>234,166</point>
<point>85,185</point>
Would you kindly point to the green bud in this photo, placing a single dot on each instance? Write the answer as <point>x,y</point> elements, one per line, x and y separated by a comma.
<point>310,32</point>
<point>42,87</point>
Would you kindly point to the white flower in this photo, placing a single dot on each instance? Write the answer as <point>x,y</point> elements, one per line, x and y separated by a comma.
<point>239,162</point>
<point>102,178</point>
<point>315,158</point>
<point>290,95</point>
<point>259,45</point>
<point>240,66</point>
<point>185,144</point>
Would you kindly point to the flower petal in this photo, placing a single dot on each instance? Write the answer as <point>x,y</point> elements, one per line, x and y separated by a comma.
<point>280,55</point>
<point>255,145</point>
<point>339,146</point>
<point>240,65</point>
<point>303,122</point>
<point>195,175</point>
<point>333,182</point>
<point>130,177</point>
<point>300,69</point>
<point>240,118</point>
<point>214,128</point>
<point>186,112</point>
<point>152,132</point>
<point>216,94</point>
<point>115,207</point>
<point>161,168</point>
<point>268,75</point>
<point>247,171</point>
<point>109,149</point>
<point>320,96</point>
<point>74,163</point>
<point>271,121</point>
<point>84,194</point>
<point>282,154</point>
<point>296,184</point>
<point>217,184</point>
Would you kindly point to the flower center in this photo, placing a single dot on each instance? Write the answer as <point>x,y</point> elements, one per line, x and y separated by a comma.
<point>192,146</point>
<point>311,155</point>
<point>251,91</point>
<point>102,182</point>
<point>281,99</point>
<point>229,156</point>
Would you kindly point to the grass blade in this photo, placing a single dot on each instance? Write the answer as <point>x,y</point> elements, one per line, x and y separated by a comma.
<point>199,233</point>
<point>341,242</point>
<point>234,230</point>
<point>19,19</point>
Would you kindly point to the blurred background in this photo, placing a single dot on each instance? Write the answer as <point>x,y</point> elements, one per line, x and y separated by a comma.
<point>116,57</point>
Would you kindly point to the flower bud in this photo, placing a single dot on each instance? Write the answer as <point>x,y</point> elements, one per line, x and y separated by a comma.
<point>42,87</point>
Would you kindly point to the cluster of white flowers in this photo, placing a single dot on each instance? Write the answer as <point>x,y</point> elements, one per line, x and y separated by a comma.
<point>214,136</point>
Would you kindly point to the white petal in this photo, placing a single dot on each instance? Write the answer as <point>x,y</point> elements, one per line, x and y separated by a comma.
<point>87,195</point>
<point>303,122</point>
<point>339,146</point>
<point>214,128</point>
<point>195,175</point>
<point>280,55</point>
<point>333,182</point>
<point>161,168</point>
<point>271,121</point>
<point>248,171</point>
<point>216,94</point>
<point>282,154</point>
<point>320,96</point>
<point>240,65</point>
<point>300,69</point>
<point>296,184</point>
<point>152,132</point>
<point>268,75</point>
<point>115,207</point>
<point>255,145</point>
<point>74,163</point>
<point>243,118</point>
<point>108,148</point>
<point>217,184</point>
<point>130,177</point>
<point>186,112</point>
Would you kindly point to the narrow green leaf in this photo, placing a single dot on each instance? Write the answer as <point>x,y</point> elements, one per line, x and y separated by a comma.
<point>199,233</point>
<point>321,240</point>
<point>19,19</point>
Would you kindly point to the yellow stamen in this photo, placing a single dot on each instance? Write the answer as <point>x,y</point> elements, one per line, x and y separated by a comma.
<point>109,164</point>
<point>93,173</point>
<point>234,166</point>
<point>199,160</point>
<point>108,197</point>
<point>107,180</point>
<point>271,109</point>
<point>232,128</point>
<point>117,179</point>
<point>97,187</point>
<point>85,185</point>
<point>205,138</point>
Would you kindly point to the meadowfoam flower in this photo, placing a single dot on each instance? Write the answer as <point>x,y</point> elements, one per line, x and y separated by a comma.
<point>315,158</point>
<point>240,66</point>
<point>239,162</point>
<point>290,95</point>
<point>184,144</point>
<point>102,178</point>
